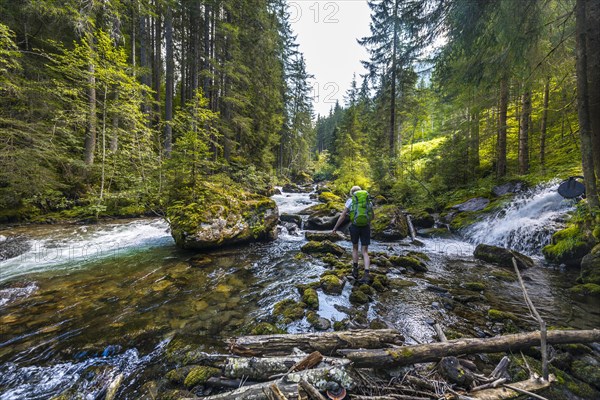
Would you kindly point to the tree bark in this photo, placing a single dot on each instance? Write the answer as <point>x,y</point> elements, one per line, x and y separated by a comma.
<point>326,343</point>
<point>501,145</point>
<point>408,355</point>
<point>583,108</point>
<point>169,89</point>
<point>474,139</point>
<point>157,63</point>
<point>524,132</point>
<point>509,392</point>
<point>91,127</point>
<point>544,124</point>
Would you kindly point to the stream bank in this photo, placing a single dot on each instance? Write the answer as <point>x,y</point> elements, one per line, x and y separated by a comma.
<point>88,304</point>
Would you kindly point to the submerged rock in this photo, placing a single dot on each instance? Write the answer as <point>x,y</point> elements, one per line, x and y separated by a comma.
<point>501,256</point>
<point>13,247</point>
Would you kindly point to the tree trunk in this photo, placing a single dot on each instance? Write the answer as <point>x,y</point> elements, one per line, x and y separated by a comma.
<point>157,63</point>
<point>474,140</point>
<point>583,108</point>
<point>392,137</point>
<point>544,124</point>
<point>326,343</point>
<point>593,70</point>
<point>501,147</point>
<point>524,132</point>
<point>144,59</point>
<point>91,127</point>
<point>169,80</point>
<point>408,355</point>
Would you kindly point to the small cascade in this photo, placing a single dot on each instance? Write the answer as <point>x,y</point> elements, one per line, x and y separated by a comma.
<point>526,223</point>
<point>411,227</point>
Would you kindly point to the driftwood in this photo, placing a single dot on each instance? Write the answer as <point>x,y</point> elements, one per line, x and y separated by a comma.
<point>326,343</point>
<point>312,392</point>
<point>511,391</point>
<point>407,355</point>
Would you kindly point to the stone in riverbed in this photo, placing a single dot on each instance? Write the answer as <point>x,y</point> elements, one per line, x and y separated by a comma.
<point>475,204</point>
<point>293,218</point>
<point>501,256</point>
<point>590,267</point>
<point>389,223</point>
<point>324,247</point>
<point>322,236</point>
<point>13,247</point>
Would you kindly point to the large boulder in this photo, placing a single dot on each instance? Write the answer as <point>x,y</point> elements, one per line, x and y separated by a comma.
<point>324,247</point>
<point>323,216</point>
<point>197,226</point>
<point>293,218</point>
<point>423,219</point>
<point>475,204</point>
<point>322,236</point>
<point>501,256</point>
<point>389,223</point>
<point>509,187</point>
<point>590,267</point>
<point>568,246</point>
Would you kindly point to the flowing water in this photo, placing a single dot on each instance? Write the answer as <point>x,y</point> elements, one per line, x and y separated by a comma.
<point>88,304</point>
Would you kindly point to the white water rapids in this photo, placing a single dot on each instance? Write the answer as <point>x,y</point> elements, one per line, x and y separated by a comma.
<point>526,223</point>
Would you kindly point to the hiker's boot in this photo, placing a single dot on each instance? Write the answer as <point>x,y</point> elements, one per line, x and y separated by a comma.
<point>355,270</point>
<point>365,278</point>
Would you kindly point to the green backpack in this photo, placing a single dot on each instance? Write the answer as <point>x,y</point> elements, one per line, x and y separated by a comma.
<point>361,210</point>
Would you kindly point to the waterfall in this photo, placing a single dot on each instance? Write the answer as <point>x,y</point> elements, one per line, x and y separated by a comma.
<point>526,223</point>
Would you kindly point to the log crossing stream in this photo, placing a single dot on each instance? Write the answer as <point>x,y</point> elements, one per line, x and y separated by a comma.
<point>86,305</point>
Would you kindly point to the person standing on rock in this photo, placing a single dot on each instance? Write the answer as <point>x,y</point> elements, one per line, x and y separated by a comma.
<point>360,209</point>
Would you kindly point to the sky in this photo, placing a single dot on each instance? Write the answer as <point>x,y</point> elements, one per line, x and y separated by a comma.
<point>326,33</point>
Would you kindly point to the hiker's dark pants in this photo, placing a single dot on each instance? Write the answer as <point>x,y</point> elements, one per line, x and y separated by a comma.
<point>360,232</point>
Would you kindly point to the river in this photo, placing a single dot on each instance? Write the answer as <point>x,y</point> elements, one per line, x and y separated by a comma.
<point>88,303</point>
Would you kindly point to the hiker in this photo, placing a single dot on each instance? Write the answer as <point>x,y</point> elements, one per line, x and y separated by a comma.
<point>361,213</point>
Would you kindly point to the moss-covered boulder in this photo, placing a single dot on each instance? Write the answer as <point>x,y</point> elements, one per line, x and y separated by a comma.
<point>289,310</point>
<point>423,220</point>
<point>413,263</point>
<point>326,197</point>
<point>322,236</point>
<point>324,247</point>
<point>501,256</point>
<point>358,297</point>
<point>389,223</point>
<point>310,297</point>
<point>318,322</point>
<point>587,289</point>
<point>568,247</point>
<point>590,267</point>
<point>291,218</point>
<point>497,315</point>
<point>227,219</point>
<point>471,205</point>
<point>587,369</point>
<point>265,328</point>
<point>331,283</point>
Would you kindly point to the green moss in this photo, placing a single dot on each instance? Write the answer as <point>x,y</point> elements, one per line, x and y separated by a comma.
<point>587,289</point>
<point>340,325</point>
<point>401,353</point>
<point>289,310</point>
<point>366,289</point>
<point>327,197</point>
<point>418,255</point>
<point>311,298</point>
<point>463,219</point>
<point>312,317</point>
<point>325,246</point>
<point>503,275</point>
<point>409,262</point>
<point>497,315</point>
<point>402,283</point>
<point>475,286</point>
<point>199,375</point>
<point>567,246</point>
<point>357,296</point>
<point>265,328</point>
<point>380,282</point>
<point>330,283</point>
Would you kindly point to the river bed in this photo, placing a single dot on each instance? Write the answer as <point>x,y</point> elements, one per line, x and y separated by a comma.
<point>89,303</point>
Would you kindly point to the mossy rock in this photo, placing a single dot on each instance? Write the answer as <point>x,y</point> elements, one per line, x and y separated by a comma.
<point>380,282</point>
<point>199,375</point>
<point>497,315</point>
<point>331,283</point>
<point>340,325</point>
<point>419,255</point>
<point>310,297</point>
<point>401,283</point>
<point>265,328</point>
<point>501,256</point>
<point>318,322</point>
<point>358,297</point>
<point>389,223</point>
<point>409,262</point>
<point>587,289</point>
<point>590,267</point>
<point>587,369</point>
<point>378,324</point>
<point>322,236</point>
<point>568,247</point>
<point>326,197</point>
<point>423,220</point>
<point>475,286</point>
<point>366,289</point>
<point>502,275</point>
<point>178,375</point>
<point>324,247</point>
<point>289,310</point>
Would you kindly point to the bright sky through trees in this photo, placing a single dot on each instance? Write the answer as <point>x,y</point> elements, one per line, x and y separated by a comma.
<point>327,33</point>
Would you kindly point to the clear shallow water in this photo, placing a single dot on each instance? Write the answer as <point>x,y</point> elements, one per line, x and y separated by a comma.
<point>78,322</point>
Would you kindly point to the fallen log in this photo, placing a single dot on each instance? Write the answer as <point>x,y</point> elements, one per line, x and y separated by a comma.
<point>407,355</point>
<point>326,343</point>
<point>262,369</point>
<point>511,391</point>
<point>256,392</point>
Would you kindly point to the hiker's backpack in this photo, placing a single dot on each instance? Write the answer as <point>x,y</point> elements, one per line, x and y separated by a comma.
<point>361,210</point>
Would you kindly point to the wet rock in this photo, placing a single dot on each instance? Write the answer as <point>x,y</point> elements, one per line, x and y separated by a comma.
<point>436,289</point>
<point>434,232</point>
<point>475,204</point>
<point>12,247</point>
<point>568,246</point>
<point>293,218</point>
<point>409,262</point>
<point>590,267</point>
<point>322,236</point>
<point>200,261</point>
<point>475,286</point>
<point>277,191</point>
<point>324,247</point>
<point>310,297</point>
<point>319,323</point>
<point>423,220</point>
<point>199,375</point>
<point>586,289</point>
<point>331,284</point>
<point>497,315</point>
<point>587,369</point>
<point>389,223</point>
<point>290,227</point>
<point>455,372</point>
<point>378,324</point>
<point>509,187</point>
<point>501,256</point>
<point>326,197</point>
<point>321,223</point>
<point>290,310</point>
<point>292,188</point>
<point>196,226</point>
<point>265,328</point>
<point>358,296</point>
